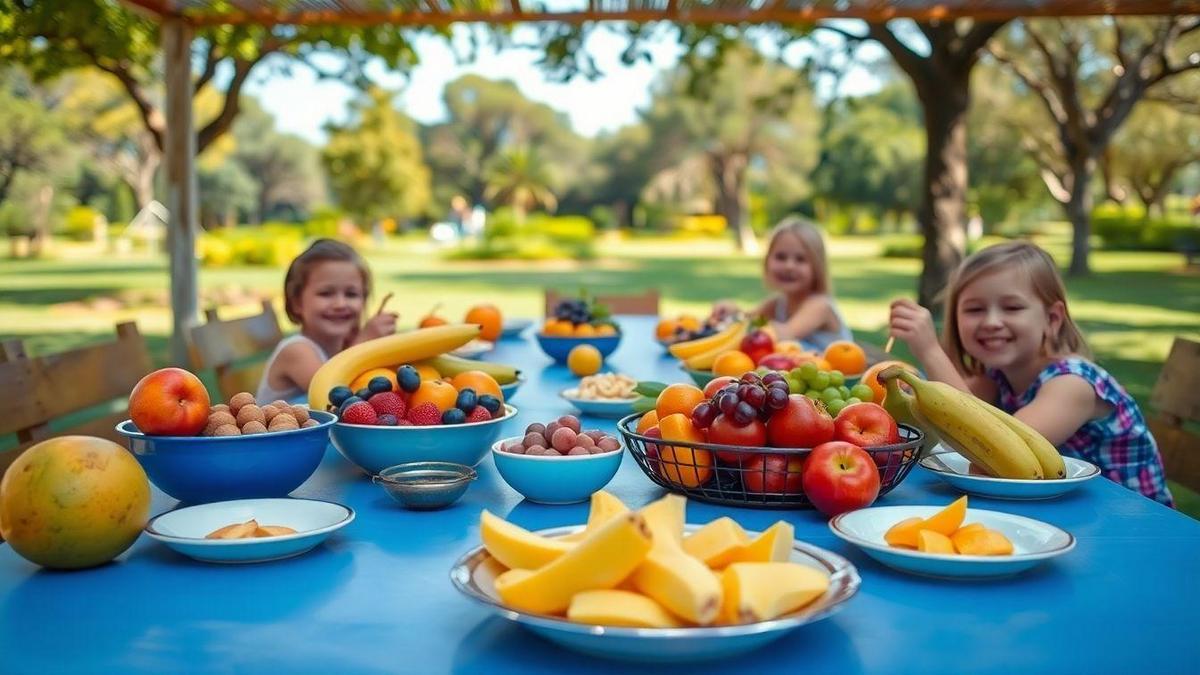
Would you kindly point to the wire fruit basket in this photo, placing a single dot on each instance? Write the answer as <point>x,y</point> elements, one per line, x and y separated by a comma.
<point>733,475</point>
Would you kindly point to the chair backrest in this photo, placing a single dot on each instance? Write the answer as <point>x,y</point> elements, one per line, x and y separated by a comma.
<point>46,388</point>
<point>1176,402</point>
<point>638,303</point>
<point>230,348</point>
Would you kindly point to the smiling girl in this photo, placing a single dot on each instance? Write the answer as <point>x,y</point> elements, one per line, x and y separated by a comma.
<point>1010,340</point>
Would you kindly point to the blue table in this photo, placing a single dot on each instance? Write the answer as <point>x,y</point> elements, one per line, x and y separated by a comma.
<point>376,598</point>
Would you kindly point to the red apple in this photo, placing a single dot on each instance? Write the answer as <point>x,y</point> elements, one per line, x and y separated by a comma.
<point>773,473</point>
<point>840,477</point>
<point>799,424</point>
<point>777,361</point>
<point>652,449</point>
<point>716,384</point>
<point>169,402</point>
<point>866,425</point>
<point>757,344</point>
<point>724,432</point>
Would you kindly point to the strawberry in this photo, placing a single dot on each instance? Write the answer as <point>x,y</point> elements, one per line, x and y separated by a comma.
<point>426,414</point>
<point>360,413</point>
<point>389,403</point>
<point>479,414</point>
<point>403,423</point>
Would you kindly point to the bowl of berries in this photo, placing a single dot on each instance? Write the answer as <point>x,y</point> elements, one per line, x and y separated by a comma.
<point>574,322</point>
<point>416,420</point>
<point>558,462</point>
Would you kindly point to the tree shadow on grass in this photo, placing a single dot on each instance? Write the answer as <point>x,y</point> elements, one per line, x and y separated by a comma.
<point>61,268</point>
<point>1177,292</point>
<point>42,297</point>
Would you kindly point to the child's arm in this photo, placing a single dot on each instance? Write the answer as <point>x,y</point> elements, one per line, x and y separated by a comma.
<point>914,324</point>
<point>294,365</point>
<point>1062,405</point>
<point>813,313</point>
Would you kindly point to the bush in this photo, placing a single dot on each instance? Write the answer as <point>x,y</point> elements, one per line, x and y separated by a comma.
<point>1130,229</point>
<point>80,223</point>
<point>540,237</point>
<point>268,245</point>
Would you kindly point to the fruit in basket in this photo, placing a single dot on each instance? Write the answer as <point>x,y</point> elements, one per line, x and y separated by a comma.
<point>717,384</point>
<point>878,388</point>
<point>772,473</point>
<point>765,590</point>
<point>619,608</point>
<point>489,320</point>
<point>799,424</point>
<point>723,431</point>
<point>866,425</point>
<point>169,402</point>
<point>757,344</point>
<point>777,361</point>
<point>683,466</point>
<point>584,360</point>
<point>840,477</point>
<point>364,379</point>
<point>846,356</point>
<point>678,398</point>
<point>73,501</point>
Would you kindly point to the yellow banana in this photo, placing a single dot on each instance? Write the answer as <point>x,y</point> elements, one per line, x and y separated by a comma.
<point>680,583</point>
<point>514,546</point>
<point>383,352</point>
<point>449,366</point>
<point>765,590</point>
<point>686,350</point>
<point>1047,455</point>
<point>704,360</point>
<point>899,405</point>
<point>619,608</point>
<point>966,426</point>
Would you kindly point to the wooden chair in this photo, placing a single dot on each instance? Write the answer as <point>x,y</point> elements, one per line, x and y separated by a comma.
<point>45,388</point>
<point>230,348</point>
<point>1176,402</point>
<point>643,303</point>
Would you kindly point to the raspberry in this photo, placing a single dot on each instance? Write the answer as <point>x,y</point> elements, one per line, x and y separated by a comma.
<point>359,413</point>
<point>426,414</point>
<point>479,414</point>
<point>403,423</point>
<point>388,403</point>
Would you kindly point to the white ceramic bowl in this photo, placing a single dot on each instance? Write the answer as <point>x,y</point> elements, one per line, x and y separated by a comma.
<point>1033,541</point>
<point>184,529</point>
<point>474,349</point>
<point>513,327</point>
<point>952,468</point>
<point>474,575</point>
<point>608,408</point>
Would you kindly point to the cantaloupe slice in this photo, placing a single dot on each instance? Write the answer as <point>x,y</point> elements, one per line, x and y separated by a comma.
<point>949,519</point>
<point>715,539</point>
<point>980,540</point>
<point>763,591</point>
<point>930,541</point>
<point>904,533</point>
<point>773,545</point>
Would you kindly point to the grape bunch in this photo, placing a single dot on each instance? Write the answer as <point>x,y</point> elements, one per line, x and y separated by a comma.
<point>752,397</point>
<point>575,310</point>
<point>827,387</point>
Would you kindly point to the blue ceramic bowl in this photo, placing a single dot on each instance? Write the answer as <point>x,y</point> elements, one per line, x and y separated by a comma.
<point>374,448</point>
<point>558,348</point>
<point>509,390</point>
<point>202,469</point>
<point>556,480</point>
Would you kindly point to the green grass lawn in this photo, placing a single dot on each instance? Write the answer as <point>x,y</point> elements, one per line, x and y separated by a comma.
<point>1130,309</point>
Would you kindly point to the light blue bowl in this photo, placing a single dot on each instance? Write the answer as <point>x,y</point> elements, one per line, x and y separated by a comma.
<point>606,408</point>
<point>375,448</point>
<point>201,469</point>
<point>509,390</point>
<point>556,480</point>
<point>558,348</point>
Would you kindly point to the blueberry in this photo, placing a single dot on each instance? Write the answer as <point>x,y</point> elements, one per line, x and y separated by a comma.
<point>364,393</point>
<point>454,416</point>
<point>408,378</point>
<point>350,400</point>
<point>339,394</point>
<point>491,403</point>
<point>387,420</point>
<point>380,384</point>
<point>466,400</point>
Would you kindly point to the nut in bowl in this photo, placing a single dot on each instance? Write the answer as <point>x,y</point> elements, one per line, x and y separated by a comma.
<point>558,463</point>
<point>603,395</point>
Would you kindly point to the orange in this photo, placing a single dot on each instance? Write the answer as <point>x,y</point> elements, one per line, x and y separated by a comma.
<point>665,329</point>
<point>362,380</point>
<point>426,371</point>
<point>432,320</point>
<point>558,328</point>
<point>605,329</point>
<point>648,420</point>
<point>584,360</point>
<point>441,394</point>
<point>689,323</point>
<point>687,467</point>
<point>733,363</point>
<point>585,330</point>
<point>871,378</point>
<point>478,380</point>
<point>678,398</point>
<point>489,320</point>
<point>847,357</point>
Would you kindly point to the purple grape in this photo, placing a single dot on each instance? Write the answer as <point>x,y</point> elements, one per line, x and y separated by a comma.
<point>728,402</point>
<point>743,414</point>
<point>750,378</point>
<point>779,384</point>
<point>777,398</point>
<point>772,377</point>
<point>755,396</point>
<point>703,415</point>
<point>731,387</point>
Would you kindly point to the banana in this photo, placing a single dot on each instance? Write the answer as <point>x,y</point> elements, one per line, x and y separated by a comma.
<point>967,427</point>
<point>604,507</point>
<point>681,583</point>
<point>619,608</point>
<point>516,547</point>
<point>686,350</point>
<point>704,360</point>
<point>899,405</point>
<point>385,351</point>
<point>665,518</point>
<point>774,544</point>
<point>449,366</point>
<point>715,540</point>
<point>1045,452</point>
<point>765,590</point>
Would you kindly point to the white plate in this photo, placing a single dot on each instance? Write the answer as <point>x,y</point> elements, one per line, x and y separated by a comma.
<point>614,408</point>
<point>513,327</point>
<point>474,574</point>
<point>952,468</point>
<point>1033,541</point>
<point>474,349</point>
<point>184,529</point>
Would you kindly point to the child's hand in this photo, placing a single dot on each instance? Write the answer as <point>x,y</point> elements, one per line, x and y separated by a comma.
<point>383,323</point>
<point>723,308</point>
<point>913,324</point>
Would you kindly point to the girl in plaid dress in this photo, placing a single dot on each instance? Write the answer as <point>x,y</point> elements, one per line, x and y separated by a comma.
<point>1009,339</point>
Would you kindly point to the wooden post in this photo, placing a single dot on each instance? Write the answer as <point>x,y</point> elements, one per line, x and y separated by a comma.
<point>182,190</point>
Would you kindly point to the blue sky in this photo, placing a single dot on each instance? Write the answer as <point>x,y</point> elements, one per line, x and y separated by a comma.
<point>302,104</point>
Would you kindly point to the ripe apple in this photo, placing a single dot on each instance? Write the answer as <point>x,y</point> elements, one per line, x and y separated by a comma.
<point>777,361</point>
<point>773,473</point>
<point>840,477</point>
<point>866,425</point>
<point>652,449</point>
<point>757,344</point>
<point>799,424</point>
<point>724,432</point>
<point>169,402</point>
<point>716,384</point>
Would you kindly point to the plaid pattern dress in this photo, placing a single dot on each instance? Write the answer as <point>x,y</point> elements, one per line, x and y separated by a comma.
<point>1119,443</point>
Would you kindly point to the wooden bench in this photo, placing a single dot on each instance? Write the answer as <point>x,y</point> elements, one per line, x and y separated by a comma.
<point>1176,403</point>
<point>638,303</point>
<point>230,348</point>
<point>42,389</point>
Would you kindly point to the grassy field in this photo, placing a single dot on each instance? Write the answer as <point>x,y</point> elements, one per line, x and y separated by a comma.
<point>1130,309</point>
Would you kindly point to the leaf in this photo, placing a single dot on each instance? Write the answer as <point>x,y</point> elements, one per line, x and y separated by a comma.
<point>644,404</point>
<point>649,388</point>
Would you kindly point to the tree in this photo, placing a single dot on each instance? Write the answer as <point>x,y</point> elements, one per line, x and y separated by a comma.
<point>30,137</point>
<point>519,177</point>
<point>286,169</point>
<point>1088,76</point>
<point>374,161</point>
<point>226,191</point>
<point>1152,149</point>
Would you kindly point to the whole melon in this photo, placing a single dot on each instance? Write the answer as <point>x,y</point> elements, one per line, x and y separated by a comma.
<point>73,502</point>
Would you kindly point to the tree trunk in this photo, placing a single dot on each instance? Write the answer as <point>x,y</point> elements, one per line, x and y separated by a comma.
<point>729,174</point>
<point>944,189</point>
<point>143,181</point>
<point>1079,212</point>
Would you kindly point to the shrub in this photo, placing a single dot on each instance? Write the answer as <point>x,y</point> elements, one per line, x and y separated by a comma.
<point>1131,229</point>
<point>80,223</point>
<point>540,237</point>
<point>267,245</point>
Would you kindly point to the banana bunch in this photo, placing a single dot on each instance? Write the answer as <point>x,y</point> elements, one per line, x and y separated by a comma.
<point>449,366</point>
<point>900,405</point>
<point>383,352</point>
<point>700,354</point>
<point>997,442</point>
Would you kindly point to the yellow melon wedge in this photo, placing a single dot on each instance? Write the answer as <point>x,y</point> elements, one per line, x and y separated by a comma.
<point>774,544</point>
<point>516,547</point>
<point>619,608</point>
<point>949,519</point>
<point>904,533</point>
<point>979,540</point>
<point>764,591</point>
<point>665,518</point>
<point>604,507</point>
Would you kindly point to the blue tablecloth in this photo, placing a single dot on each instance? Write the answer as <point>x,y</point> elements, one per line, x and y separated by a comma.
<point>377,598</point>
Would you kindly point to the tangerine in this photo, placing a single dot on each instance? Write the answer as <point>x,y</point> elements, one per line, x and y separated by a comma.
<point>871,378</point>
<point>489,320</point>
<point>585,330</point>
<point>441,394</point>
<point>689,323</point>
<point>362,380</point>
<point>665,329</point>
<point>846,356</point>
<point>478,380</point>
<point>678,398</point>
<point>648,420</point>
<point>558,328</point>
<point>605,329</point>
<point>733,363</point>
<point>584,360</point>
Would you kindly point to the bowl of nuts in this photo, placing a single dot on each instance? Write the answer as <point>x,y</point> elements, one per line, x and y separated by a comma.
<point>558,462</point>
<point>607,395</point>
<point>245,451</point>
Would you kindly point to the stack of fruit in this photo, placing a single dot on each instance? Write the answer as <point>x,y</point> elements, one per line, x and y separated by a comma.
<point>687,327</point>
<point>737,350</point>
<point>579,317</point>
<point>242,415</point>
<point>409,400</point>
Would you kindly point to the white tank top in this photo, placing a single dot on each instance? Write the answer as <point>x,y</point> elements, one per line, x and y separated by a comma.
<point>294,394</point>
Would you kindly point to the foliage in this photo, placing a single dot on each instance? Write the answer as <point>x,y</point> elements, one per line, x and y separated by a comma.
<point>269,245</point>
<point>1150,150</point>
<point>520,178</point>
<point>30,135</point>
<point>228,193</point>
<point>286,168</point>
<point>1130,229</point>
<point>79,223</point>
<point>537,237</point>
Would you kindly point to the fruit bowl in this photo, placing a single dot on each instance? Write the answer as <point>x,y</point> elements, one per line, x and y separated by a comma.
<point>474,574</point>
<point>558,348</point>
<point>705,471</point>
<point>374,448</point>
<point>201,469</point>
<point>555,480</point>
